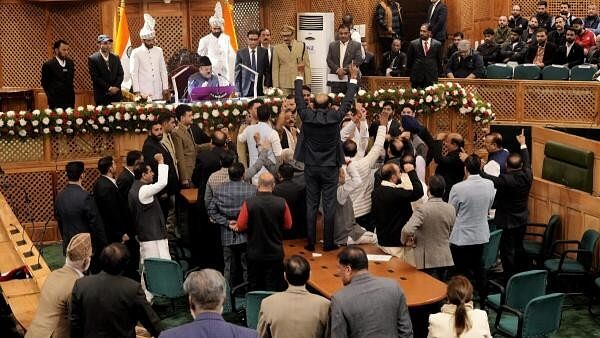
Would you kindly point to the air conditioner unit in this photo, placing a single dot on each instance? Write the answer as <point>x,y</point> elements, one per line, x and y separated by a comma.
<point>316,30</point>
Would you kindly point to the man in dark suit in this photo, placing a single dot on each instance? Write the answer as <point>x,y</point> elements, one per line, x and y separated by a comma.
<point>320,149</point>
<point>293,189</point>
<point>75,212</point>
<point>109,304</point>
<point>394,61</point>
<point>106,72</point>
<point>424,59</point>
<point>133,159</point>
<point>512,196</point>
<point>541,52</point>
<point>256,58</point>
<point>570,53</point>
<point>111,206</point>
<point>338,64</point>
<point>58,74</point>
<point>152,146</point>
<point>437,15</point>
<point>368,66</point>
<point>207,251</point>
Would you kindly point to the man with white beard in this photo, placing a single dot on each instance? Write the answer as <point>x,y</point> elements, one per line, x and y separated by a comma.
<point>217,46</point>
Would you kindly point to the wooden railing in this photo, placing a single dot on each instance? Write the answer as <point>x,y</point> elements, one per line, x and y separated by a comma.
<point>563,103</point>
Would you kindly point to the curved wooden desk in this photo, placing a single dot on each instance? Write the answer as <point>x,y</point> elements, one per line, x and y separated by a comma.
<point>419,287</point>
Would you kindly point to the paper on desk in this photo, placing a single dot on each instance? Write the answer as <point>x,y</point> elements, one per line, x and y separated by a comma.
<point>335,78</point>
<point>379,258</point>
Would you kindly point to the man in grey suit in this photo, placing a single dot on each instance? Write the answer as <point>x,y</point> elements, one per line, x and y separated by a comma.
<point>367,306</point>
<point>256,58</point>
<point>341,54</point>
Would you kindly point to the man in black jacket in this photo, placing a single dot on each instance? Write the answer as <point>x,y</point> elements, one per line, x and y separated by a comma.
<point>512,196</point>
<point>514,50</point>
<point>391,205</point>
<point>541,52</point>
<point>489,49</point>
<point>75,212</point>
<point>109,304</point>
<point>394,61</point>
<point>133,159</point>
<point>424,59</point>
<point>293,189</point>
<point>58,74</point>
<point>320,149</point>
<point>106,72</point>
<point>569,53</point>
<point>437,19</point>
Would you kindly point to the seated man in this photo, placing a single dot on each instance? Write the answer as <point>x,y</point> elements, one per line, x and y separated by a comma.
<point>541,53</point>
<point>206,291</point>
<point>569,53</point>
<point>515,49</point>
<point>205,77</point>
<point>489,49</point>
<point>394,61</point>
<point>294,313</point>
<point>465,63</point>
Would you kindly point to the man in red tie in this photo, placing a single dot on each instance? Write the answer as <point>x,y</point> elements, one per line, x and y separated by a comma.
<point>424,59</point>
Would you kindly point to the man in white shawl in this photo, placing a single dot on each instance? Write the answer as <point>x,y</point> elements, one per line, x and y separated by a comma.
<point>217,46</point>
<point>147,65</point>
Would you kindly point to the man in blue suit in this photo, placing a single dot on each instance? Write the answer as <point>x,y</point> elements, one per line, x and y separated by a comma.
<point>256,58</point>
<point>320,148</point>
<point>206,291</point>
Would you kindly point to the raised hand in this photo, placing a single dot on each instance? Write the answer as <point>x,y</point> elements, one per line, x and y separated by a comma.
<point>521,137</point>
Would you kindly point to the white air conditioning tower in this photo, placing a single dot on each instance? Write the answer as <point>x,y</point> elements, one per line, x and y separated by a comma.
<point>316,31</point>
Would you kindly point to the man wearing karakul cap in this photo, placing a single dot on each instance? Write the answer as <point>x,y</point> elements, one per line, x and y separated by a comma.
<point>147,65</point>
<point>286,57</point>
<point>205,76</point>
<point>52,317</point>
<point>217,46</point>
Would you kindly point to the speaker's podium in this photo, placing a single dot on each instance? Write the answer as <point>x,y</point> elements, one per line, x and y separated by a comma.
<point>211,93</point>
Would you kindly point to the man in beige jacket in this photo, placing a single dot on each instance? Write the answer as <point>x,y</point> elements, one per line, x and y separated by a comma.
<point>294,313</point>
<point>52,317</point>
<point>185,146</point>
<point>286,57</point>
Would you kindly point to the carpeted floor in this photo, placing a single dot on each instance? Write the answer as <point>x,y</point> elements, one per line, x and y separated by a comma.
<point>576,322</point>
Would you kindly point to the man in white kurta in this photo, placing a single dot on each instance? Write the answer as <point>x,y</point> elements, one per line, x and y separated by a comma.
<point>147,65</point>
<point>217,46</point>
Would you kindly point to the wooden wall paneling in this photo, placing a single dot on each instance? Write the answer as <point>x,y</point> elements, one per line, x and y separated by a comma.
<point>281,13</point>
<point>23,29</point>
<point>363,13</point>
<point>246,17</point>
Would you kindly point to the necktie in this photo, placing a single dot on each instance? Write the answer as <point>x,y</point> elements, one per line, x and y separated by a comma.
<point>290,47</point>
<point>191,135</point>
<point>253,60</point>
<point>426,48</point>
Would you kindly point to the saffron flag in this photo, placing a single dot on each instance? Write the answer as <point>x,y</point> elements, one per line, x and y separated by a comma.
<point>122,48</point>
<point>229,26</point>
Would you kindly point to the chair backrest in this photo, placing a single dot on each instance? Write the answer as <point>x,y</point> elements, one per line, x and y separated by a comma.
<point>499,71</point>
<point>253,301</point>
<point>183,73</point>
<point>555,72</point>
<point>490,250</point>
<point>568,165</point>
<point>527,72</point>
<point>583,73</point>
<point>163,277</point>
<point>549,232</point>
<point>588,243</point>
<point>542,315</point>
<point>524,286</point>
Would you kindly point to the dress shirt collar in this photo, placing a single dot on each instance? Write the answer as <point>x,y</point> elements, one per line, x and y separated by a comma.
<point>473,177</point>
<point>209,316</point>
<point>435,199</point>
<point>345,44</point>
<point>250,50</point>
<point>362,276</point>
<point>296,289</point>
<point>62,63</point>
<point>111,179</point>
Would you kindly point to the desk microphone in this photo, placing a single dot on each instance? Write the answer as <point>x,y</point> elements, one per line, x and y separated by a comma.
<point>30,214</point>
<point>37,265</point>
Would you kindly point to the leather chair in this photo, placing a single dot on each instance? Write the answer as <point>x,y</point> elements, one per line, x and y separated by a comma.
<point>573,167</point>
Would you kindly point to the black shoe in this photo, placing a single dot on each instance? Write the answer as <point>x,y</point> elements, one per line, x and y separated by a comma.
<point>309,247</point>
<point>330,247</point>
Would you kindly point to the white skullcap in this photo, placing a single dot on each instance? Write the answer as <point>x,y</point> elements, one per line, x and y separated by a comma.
<point>147,31</point>
<point>492,168</point>
<point>217,19</point>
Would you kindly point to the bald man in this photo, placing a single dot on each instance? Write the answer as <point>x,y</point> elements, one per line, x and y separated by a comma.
<point>264,217</point>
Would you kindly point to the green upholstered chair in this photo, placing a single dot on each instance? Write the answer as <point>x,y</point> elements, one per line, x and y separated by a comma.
<point>568,267</point>
<point>541,317</point>
<point>164,277</point>
<point>527,72</point>
<point>583,73</point>
<point>499,71</point>
<point>573,167</point>
<point>595,293</point>
<point>555,72</point>
<point>520,289</point>
<point>253,301</point>
<point>489,256</point>
<point>538,251</point>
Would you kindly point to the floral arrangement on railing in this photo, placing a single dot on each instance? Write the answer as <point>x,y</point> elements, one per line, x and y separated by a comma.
<point>129,117</point>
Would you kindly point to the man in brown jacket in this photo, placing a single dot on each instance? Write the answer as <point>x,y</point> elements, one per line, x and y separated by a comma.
<point>52,317</point>
<point>286,57</point>
<point>185,146</point>
<point>294,313</point>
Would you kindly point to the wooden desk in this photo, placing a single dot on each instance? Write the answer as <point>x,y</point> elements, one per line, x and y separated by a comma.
<point>190,195</point>
<point>15,94</point>
<point>419,287</point>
